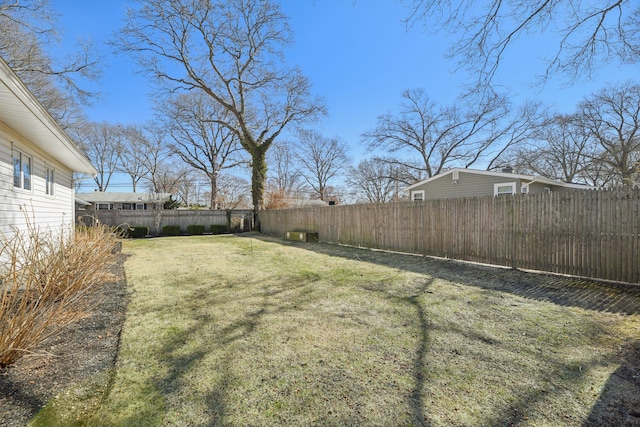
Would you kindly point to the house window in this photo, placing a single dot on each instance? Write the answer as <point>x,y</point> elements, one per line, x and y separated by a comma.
<point>524,189</point>
<point>49,179</point>
<point>21,170</point>
<point>504,188</point>
<point>417,196</point>
<point>126,206</point>
<point>105,206</point>
<point>140,206</point>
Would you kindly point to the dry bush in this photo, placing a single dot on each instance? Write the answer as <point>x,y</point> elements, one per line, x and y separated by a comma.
<point>276,199</point>
<point>45,282</point>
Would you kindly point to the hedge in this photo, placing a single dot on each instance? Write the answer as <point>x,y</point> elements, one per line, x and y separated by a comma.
<point>171,230</point>
<point>136,232</point>
<point>218,229</point>
<point>195,229</point>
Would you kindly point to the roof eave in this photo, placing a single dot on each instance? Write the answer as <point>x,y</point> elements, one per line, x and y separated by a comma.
<point>21,111</point>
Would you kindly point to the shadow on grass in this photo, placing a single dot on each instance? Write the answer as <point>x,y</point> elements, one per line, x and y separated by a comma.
<point>618,402</point>
<point>183,348</point>
<point>562,290</point>
<point>415,398</point>
<point>182,364</point>
<point>417,403</point>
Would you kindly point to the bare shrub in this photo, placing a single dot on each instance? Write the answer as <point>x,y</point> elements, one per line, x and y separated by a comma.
<point>45,281</point>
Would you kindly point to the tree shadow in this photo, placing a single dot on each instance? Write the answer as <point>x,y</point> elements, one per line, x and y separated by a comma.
<point>293,296</point>
<point>619,402</point>
<point>566,291</point>
<point>181,363</point>
<point>25,400</point>
<point>415,397</point>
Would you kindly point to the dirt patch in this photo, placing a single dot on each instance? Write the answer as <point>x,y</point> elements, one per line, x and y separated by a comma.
<point>85,349</point>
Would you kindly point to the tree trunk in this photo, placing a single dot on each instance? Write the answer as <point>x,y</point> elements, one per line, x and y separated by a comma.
<point>228,213</point>
<point>213,178</point>
<point>258,180</point>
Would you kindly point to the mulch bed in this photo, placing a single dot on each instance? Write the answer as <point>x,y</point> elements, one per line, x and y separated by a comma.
<point>85,348</point>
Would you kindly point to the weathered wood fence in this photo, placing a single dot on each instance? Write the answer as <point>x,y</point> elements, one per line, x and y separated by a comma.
<point>583,233</point>
<point>156,219</point>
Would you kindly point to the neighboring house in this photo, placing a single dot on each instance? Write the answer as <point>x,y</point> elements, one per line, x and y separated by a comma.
<point>306,203</point>
<point>470,182</point>
<point>37,162</point>
<point>104,200</point>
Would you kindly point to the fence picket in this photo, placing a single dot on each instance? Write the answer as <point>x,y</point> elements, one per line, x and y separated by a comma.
<point>584,233</point>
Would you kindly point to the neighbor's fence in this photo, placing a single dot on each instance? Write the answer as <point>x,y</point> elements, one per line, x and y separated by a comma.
<point>584,233</point>
<point>156,219</point>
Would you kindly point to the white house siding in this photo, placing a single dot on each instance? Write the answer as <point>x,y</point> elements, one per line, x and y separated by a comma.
<point>19,207</point>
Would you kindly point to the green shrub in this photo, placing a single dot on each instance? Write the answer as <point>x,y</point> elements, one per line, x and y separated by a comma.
<point>171,230</point>
<point>218,229</point>
<point>137,231</point>
<point>195,229</point>
<point>171,203</point>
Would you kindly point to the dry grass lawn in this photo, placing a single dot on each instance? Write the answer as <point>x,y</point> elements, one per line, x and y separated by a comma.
<point>228,330</point>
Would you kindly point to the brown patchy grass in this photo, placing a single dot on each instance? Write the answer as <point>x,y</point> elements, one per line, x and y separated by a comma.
<point>225,330</point>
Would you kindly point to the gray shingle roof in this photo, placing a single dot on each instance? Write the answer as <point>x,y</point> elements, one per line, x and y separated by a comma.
<point>109,197</point>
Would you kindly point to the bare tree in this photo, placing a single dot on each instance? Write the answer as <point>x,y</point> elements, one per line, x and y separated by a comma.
<point>153,152</point>
<point>284,177</point>
<point>193,121</point>
<point>589,34</point>
<point>599,174</point>
<point>100,142</point>
<point>560,149</point>
<point>319,160</point>
<point>374,180</point>
<point>131,148</point>
<point>611,117</point>
<point>232,50</point>
<point>183,191</point>
<point>514,130</point>
<point>168,178</point>
<point>406,172</point>
<point>233,191</point>
<point>284,182</point>
<point>27,33</point>
<point>442,136</point>
<point>599,144</point>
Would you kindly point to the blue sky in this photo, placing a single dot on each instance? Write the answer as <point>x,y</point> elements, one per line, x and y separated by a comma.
<point>358,55</point>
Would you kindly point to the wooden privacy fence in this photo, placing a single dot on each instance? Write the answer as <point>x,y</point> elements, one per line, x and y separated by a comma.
<point>156,219</point>
<point>583,233</point>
